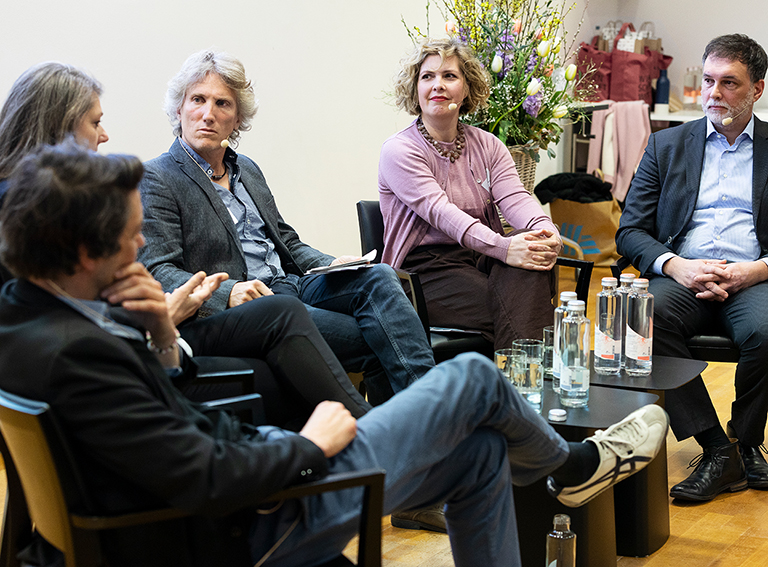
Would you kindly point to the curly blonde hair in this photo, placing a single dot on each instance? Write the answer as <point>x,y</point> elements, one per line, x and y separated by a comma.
<point>475,76</point>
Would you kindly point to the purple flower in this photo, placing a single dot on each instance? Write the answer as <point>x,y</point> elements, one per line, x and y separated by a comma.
<point>532,63</point>
<point>532,104</point>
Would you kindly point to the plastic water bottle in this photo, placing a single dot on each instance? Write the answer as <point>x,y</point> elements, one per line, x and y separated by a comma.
<point>661,102</point>
<point>574,373</point>
<point>624,290</point>
<point>561,543</point>
<point>557,362</point>
<point>608,326</point>
<point>639,329</point>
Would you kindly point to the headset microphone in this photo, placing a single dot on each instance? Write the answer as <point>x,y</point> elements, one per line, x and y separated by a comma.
<point>727,121</point>
<point>225,143</point>
<point>452,106</point>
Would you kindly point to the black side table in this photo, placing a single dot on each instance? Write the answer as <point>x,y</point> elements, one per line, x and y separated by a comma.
<point>642,501</point>
<point>593,523</point>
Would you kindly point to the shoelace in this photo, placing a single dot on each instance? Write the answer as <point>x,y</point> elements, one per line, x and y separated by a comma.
<point>622,437</point>
<point>716,459</point>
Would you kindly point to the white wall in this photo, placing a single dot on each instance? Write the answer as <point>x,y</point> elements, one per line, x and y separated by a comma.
<point>320,68</point>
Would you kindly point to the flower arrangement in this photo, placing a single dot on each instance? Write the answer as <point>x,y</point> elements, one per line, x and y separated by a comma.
<point>522,44</point>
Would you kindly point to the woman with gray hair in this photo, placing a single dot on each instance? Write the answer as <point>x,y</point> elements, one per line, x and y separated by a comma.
<point>46,103</point>
<point>440,182</point>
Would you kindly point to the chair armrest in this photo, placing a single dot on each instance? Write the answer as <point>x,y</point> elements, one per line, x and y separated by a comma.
<point>416,295</point>
<point>248,402</point>
<point>584,271</point>
<point>619,266</point>
<point>218,370</point>
<point>369,548</point>
<point>573,245</point>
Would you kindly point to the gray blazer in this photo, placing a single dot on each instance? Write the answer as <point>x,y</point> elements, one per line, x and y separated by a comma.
<point>663,194</point>
<point>188,228</point>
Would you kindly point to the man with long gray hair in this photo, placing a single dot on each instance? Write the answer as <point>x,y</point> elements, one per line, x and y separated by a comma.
<point>208,208</point>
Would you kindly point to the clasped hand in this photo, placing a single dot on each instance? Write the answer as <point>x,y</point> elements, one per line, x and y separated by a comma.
<point>534,250</point>
<point>715,280</point>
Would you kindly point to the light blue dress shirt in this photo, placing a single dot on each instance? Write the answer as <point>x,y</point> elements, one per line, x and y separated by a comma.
<point>261,260</point>
<point>722,226</point>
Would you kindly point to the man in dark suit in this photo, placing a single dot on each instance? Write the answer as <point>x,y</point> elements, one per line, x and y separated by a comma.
<point>70,230</point>
<point>208,208</point>
<point>696,223</point>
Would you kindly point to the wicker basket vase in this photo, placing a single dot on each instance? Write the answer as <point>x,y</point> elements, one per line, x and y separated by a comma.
<point>526,170</point>
<point>526,167</point>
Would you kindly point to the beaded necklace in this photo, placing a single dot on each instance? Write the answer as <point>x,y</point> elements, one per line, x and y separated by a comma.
<point>452,154</point>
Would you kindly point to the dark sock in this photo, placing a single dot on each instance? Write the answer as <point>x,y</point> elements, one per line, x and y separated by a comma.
<point>581,464</point>
<point>712,437</point>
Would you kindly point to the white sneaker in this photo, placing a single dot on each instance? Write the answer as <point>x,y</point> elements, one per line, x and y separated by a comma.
<point>625,448</point>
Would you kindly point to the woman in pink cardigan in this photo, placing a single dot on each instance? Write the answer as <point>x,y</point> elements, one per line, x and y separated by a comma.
<point>439,184</point>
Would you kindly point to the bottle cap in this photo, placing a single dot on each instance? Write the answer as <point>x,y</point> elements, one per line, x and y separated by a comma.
<point>557,415</point>
<point>576,305</point>
<point>568,295</point>
<point>628,278</point>
<point>609,281</point>
<point>640,283</point>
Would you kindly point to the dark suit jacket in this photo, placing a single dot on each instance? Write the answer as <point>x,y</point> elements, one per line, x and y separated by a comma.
<point>188,227</point>
<point>663,194</point>
<point>140,443</point>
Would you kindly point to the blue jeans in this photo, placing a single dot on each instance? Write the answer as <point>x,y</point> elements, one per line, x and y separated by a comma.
<point>460,435</point>
<point>370,325</point>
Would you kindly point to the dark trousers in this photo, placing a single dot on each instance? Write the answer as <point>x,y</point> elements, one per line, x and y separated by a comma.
<point>278,330</point>
<point>744,318</point>
<point>467,290</point>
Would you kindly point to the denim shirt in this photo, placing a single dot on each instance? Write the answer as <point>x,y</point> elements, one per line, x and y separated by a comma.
<point>261,260</point>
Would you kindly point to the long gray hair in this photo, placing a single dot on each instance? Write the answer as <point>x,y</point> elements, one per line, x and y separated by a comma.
<point>195,69</point>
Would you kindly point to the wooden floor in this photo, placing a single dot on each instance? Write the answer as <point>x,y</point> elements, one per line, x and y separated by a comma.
<point>731,531</point>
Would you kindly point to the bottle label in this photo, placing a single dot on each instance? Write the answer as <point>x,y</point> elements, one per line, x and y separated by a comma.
<point>638,346</point>
<point>606,347</point>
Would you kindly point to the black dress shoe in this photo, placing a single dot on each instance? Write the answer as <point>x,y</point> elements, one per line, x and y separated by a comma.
<point>717,469</point>
<point>754,463</point>
<point>432,519</point>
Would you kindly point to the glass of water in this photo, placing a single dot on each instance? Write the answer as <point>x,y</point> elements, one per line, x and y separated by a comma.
<point>548,350</point>
<point>531,385</point>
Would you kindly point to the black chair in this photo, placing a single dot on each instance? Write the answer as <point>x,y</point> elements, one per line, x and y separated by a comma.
<point>714,346</point>
<point>446,343</point>
<point>46,489</point>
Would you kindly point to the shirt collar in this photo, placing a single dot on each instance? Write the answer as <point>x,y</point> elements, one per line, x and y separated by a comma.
<point>97,312</point>
<point>230,156</point>
<point>749,130</point>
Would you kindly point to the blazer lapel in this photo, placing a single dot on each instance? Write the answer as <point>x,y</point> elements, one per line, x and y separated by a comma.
<point>192,170</point>
<point>694,152</point>
<point>760,182</point>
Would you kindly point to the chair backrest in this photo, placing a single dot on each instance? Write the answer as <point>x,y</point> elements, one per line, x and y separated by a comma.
<point>371,224</point>
<point>24,425</point>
